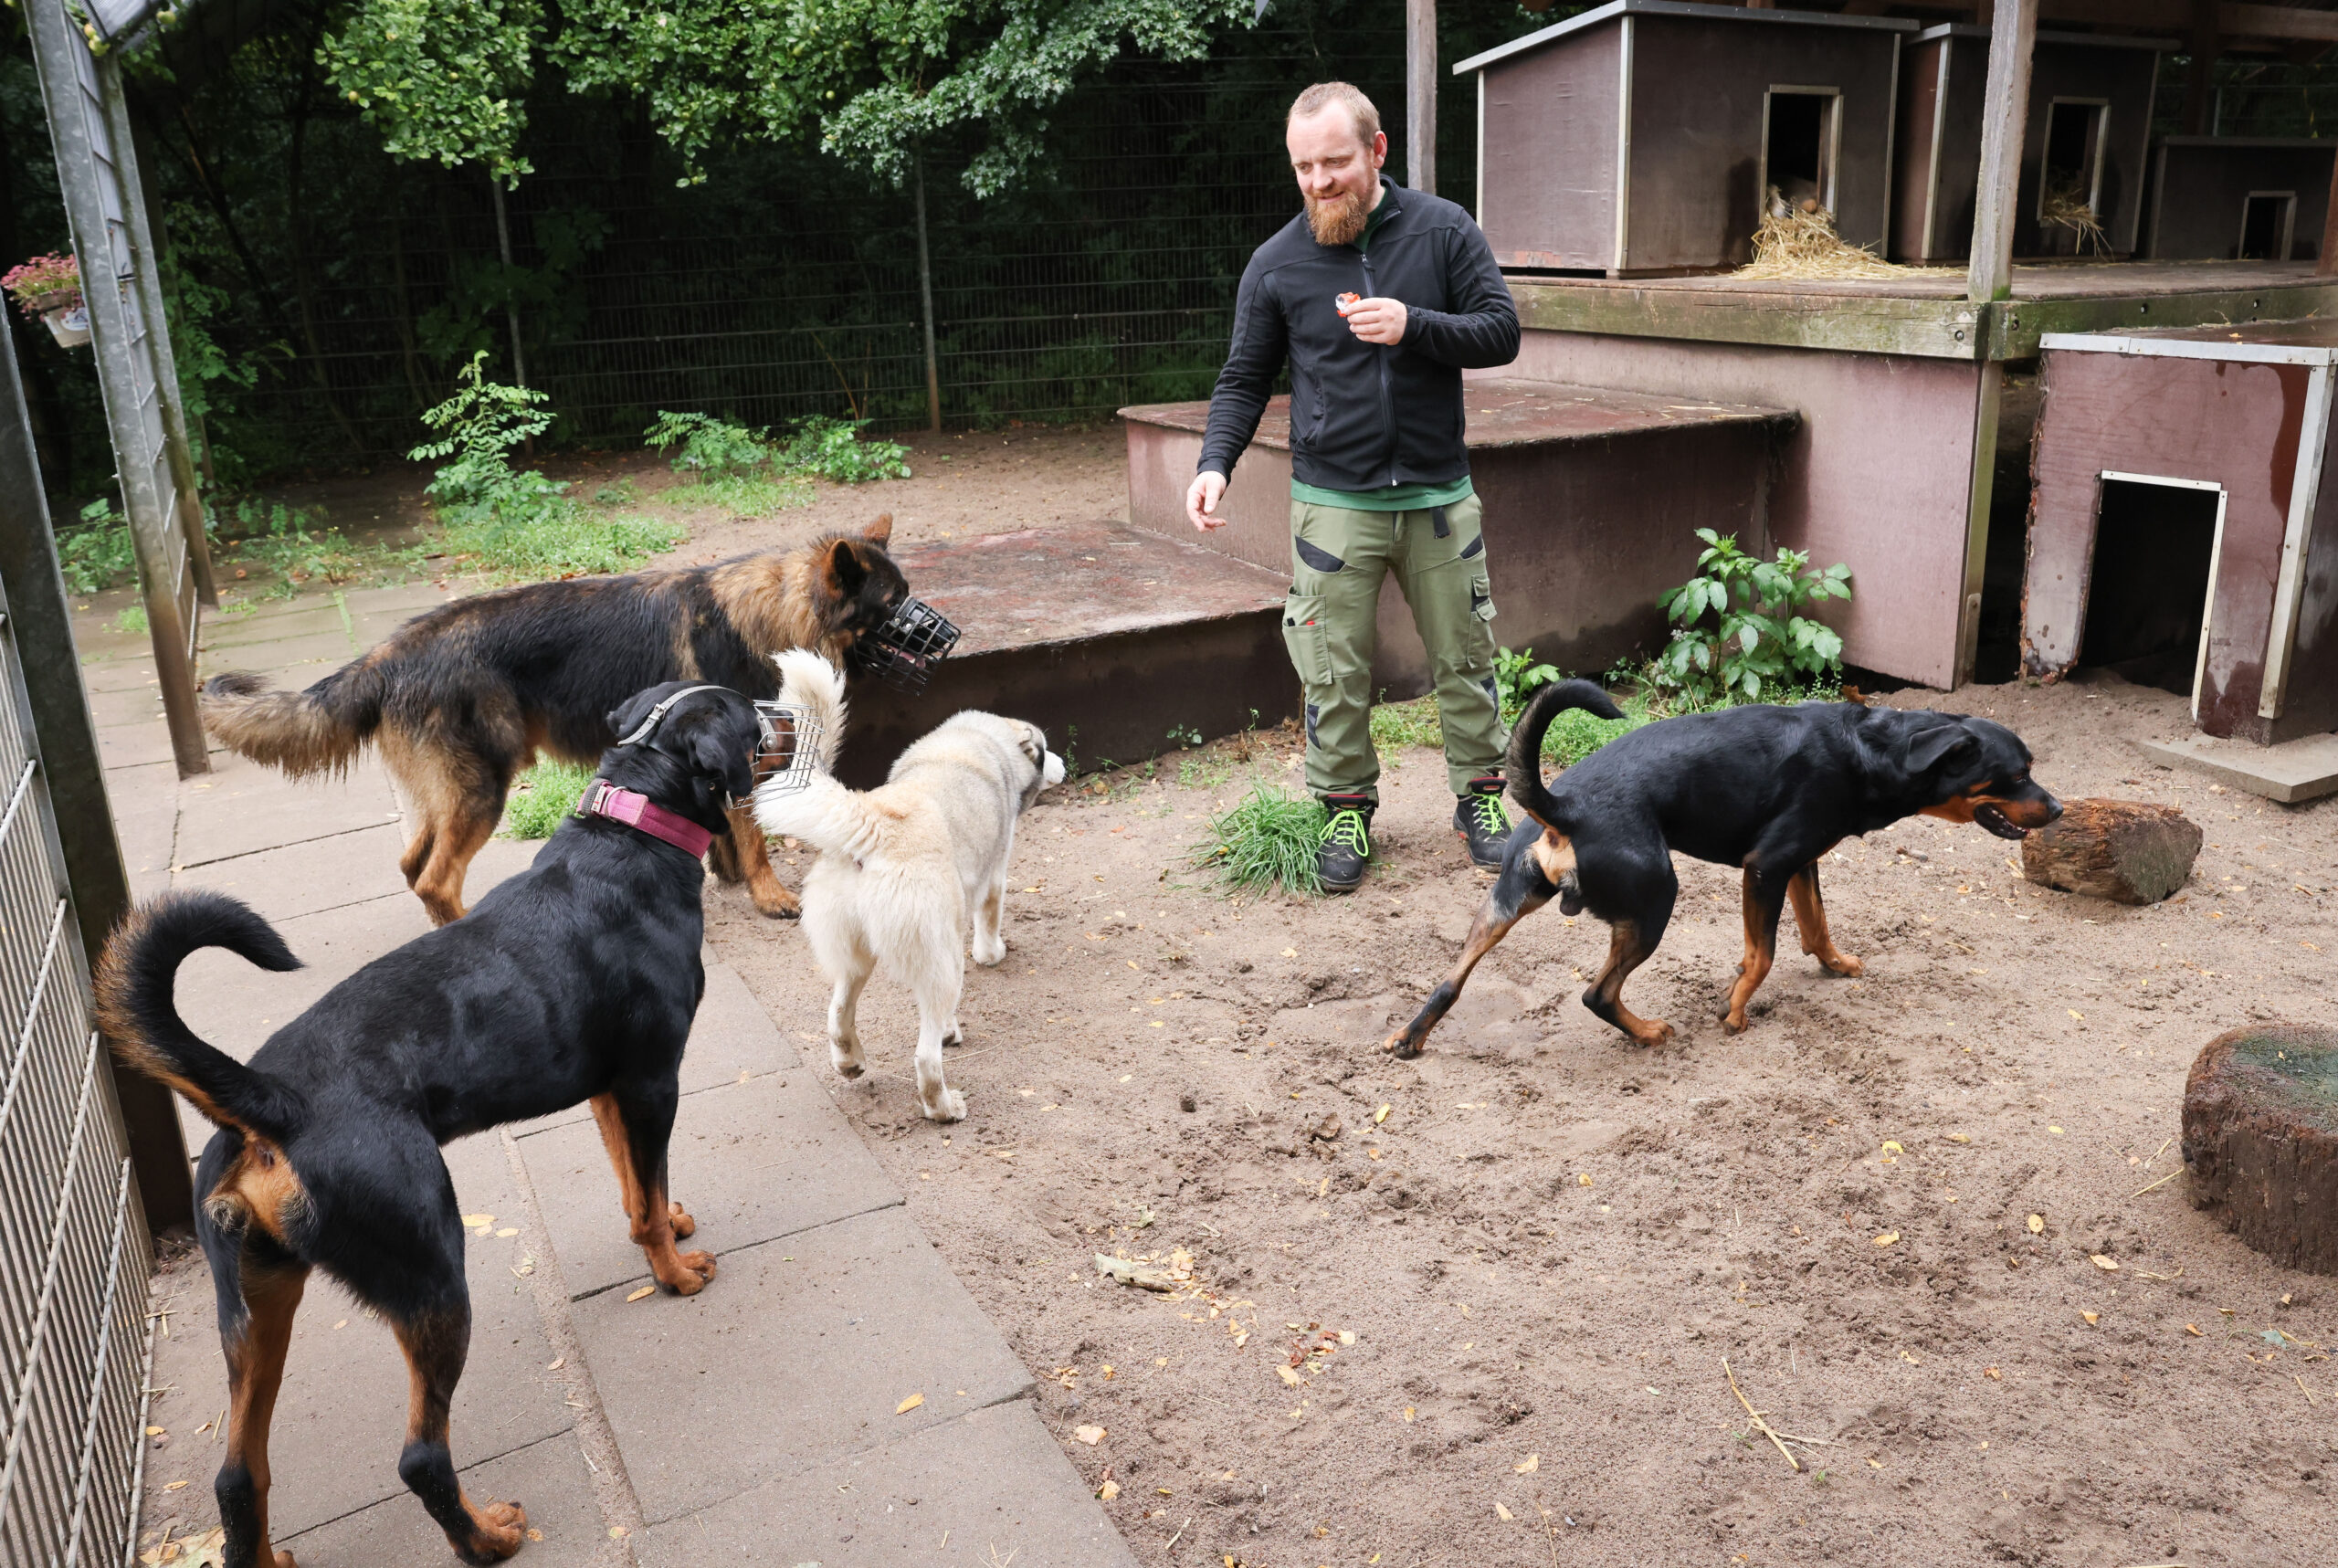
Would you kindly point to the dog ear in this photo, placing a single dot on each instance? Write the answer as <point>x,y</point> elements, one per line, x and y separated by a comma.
<point>717,752</point>
<point>1942,744</point>
<point>844,569</point>
<point>880,533</point>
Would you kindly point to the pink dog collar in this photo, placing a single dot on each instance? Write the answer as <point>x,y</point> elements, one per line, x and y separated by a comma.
<point>636,810</point>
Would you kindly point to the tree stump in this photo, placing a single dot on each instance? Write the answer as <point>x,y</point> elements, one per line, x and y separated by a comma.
<point>2123,850</point>
<point>2260,1137</point>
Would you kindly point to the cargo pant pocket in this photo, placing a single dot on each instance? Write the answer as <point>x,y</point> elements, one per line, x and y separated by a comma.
<point>1482,598</point>
<point>1308,638</point>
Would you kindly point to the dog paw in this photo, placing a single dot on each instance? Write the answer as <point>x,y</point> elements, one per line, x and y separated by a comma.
<point>846,1058</point>
<point>1401,1046</point>
<point>776,903</point>
<point>498,1529</point>
<point>1732,1022</point>
<point>951,1107</point>
<point>990,955</point>
<point>1844,965</point>
<point>284,1560</point>
<point>693,1272</point>
<point>684,1227</point>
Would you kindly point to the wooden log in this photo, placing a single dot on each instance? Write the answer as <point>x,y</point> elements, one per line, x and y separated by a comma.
<point>2124,850</point>
<point>2260,1139</point>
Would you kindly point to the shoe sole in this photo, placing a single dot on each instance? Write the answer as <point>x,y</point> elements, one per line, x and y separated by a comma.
<point>1493,865</point>
<point>1343,887</point>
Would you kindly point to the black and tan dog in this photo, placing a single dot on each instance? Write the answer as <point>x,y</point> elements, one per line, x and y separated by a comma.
<point>461,700</point>
<point>576,980</point>
<point>1769,789</point>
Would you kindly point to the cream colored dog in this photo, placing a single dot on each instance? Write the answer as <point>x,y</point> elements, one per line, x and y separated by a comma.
<point>909,870</point>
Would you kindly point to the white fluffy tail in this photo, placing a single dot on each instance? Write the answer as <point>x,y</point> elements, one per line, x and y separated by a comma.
<point>821,812</point>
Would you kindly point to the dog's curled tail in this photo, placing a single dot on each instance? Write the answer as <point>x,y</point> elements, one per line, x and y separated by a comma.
<point>317,731</point>
<point>821,811</point>
<point>1524,763</point>
<point>137,1014</point>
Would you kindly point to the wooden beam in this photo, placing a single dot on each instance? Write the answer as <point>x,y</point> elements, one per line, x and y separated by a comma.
<point>2200,81</point>
<point>1420,95</point>
<point>2177,16</point>
<point>2326,265</point>
<point>2004,115</point>
<point>2277,22</point>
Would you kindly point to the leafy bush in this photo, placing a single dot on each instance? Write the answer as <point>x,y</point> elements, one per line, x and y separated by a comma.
<point>1518,676</point>
<point>1756,638</point>
<point>556,538</point>
<point>542,796</point>
<point>1268,839</point>
<point>100,552</point>
<point>709,446</point>
<point>832,449</point>
<point>478,428</point>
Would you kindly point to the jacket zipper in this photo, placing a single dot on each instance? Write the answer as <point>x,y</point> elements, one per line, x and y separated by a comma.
<point>1388,397</point>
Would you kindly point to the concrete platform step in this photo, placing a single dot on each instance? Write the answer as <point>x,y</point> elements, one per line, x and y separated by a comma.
<point>2292,771</point>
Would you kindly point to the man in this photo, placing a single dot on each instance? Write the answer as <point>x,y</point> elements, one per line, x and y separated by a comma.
<point>1379,298</point>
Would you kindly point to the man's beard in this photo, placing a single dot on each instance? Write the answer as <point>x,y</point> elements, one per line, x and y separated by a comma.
<point>1339,220</point>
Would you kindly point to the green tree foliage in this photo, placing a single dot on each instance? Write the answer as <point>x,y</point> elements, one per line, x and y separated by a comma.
<point>871,81</point>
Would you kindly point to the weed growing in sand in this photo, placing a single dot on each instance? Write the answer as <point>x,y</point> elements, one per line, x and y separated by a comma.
<point>97,554</point>
<point>294,545</point>
<point>1267,840</point>
<point>541,797</point>
<point>1398,724</point>
<point>131,621</point>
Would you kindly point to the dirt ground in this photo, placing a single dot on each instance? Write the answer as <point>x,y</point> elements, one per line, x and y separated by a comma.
<point>1491,1328</point>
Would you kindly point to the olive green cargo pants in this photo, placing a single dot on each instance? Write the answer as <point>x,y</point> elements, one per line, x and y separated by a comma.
<point>1338,557</point>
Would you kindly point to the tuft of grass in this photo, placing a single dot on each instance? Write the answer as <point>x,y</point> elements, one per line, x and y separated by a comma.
<point>541,797</point>
<point>1268,839</point>
<point>556,539</point>
<point>1413,723</point>
<point>131,621</point>
<point>745,495</point>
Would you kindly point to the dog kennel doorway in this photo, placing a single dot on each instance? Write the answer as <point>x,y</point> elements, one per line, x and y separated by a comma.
<point>2268,226</point>
<point>1802,143</point>
<point>2156,545</point>
<point>2070,172</point>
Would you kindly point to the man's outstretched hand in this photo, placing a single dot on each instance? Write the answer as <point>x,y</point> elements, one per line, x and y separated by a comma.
<point>1377,320</point>
<point>1202,497</point>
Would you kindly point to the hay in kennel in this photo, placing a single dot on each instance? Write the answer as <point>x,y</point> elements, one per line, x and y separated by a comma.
<point>1798,241</point>
<point>2065,206</point>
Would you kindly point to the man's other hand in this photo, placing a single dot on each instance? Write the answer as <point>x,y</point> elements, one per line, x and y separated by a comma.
<point>1378,320</point>
<point>1202,497</point>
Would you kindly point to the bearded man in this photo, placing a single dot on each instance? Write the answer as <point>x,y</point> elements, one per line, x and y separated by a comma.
<point>1378,297</point>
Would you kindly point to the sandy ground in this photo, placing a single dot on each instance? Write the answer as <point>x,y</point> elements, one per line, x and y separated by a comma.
<point>1491,1328</point>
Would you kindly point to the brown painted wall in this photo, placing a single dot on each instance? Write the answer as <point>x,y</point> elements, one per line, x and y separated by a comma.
<point>2231,424</point>
<point>2310,705</point>
<point>2198,187</point>
<point>1548,155</point>
<point>1911,144</point>
<point>1877,474</point>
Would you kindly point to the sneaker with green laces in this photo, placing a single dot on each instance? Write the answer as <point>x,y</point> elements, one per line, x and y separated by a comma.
<point>1346,846</point>
<point>1481,822</point>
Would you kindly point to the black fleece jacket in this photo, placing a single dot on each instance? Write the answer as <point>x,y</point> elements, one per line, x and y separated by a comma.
<point>1364,415</point>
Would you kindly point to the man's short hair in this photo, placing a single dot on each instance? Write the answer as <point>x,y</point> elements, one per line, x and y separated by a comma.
<point>1323,94</point>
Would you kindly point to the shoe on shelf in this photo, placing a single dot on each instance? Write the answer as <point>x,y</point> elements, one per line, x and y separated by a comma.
<point>1481,822</point>
<point>1346,846</point>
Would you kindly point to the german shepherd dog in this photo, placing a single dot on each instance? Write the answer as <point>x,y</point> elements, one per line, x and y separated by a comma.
<point>576,980</point>
<point>1770,789</point>
<point>461,700</point>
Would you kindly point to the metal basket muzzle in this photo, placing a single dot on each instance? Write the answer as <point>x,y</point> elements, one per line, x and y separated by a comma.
<point>787,748</point>
<point>904,650</point>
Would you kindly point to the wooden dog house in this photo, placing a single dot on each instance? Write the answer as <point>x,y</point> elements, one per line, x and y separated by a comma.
<point>2086,135</point>
<point>2184,528</point>
<point>2238,198</point>
<point>1638,138</point>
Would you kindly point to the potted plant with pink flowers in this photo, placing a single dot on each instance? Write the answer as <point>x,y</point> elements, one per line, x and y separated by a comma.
<point>49,287</point>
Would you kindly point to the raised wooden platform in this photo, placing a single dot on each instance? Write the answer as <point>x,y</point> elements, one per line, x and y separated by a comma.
<point>1592,498</point>
<point>1925,313</point>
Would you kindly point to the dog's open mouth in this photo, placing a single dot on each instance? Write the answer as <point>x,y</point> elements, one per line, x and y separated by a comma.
<point>1991,816</point>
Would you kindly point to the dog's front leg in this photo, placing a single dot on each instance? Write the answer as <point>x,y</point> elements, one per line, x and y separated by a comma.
<point>635,1128</point>
<point>750,858</point>
<point>1810,919</point>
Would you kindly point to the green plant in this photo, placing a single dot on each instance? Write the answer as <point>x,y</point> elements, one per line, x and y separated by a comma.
<point>1755,637</point>
<point>832,449</point>
<point>1398,724</point>
<point>1517,676</point>
<point>542,796</point>
<point>557,539</point>
<point>131,620</point>
<point>709,446</point>
<point>624,492</point>
<point>478,428</point>
<point>1267,839</point>
<point>100,552</point>
<point>1185,735</point>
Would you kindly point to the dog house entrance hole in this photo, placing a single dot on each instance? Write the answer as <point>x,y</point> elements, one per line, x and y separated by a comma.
<point>2073,175</point>
<point>2154,563</point>
<point>2268,220</point>
<point>1800,139</point>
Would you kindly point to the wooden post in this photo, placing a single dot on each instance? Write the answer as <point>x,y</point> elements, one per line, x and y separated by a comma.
<point>2327,264</point>
<point>1420,95</point>
<point>2200,81</point>
<point>1989,281</point>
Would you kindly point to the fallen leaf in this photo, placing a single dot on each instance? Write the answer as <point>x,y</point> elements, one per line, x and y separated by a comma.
<point>2108,1265</point>
<point>1888,1238</point>
<point>1108,1491</point>
<point>1501,1513</point>
<point>1527,1466</point>
<point>1583,1180</point>
<point>1347,1336</point>
<point>1290,952</point>
<point>1408,1412</point>
<point>2074,1013</point>
<point>1993,1374</point>
<point>476,1220</point>
<point>1960,1137</point>
<point>508,1230</point>
<point>1890,1147</point>
<point>1289,1376</point>
<point>912,1403</point>
<point>557,1362</point>
<point>2092,1318</point>
<point>645,1290</point>
<point>2194,1329</point>
<point>173,1485</point>
<point>1091,1435</point>
<point>1380,1115</point>
<point>2038,1224</point>
<point>1128,1273</point>
<point>2055,1131</point>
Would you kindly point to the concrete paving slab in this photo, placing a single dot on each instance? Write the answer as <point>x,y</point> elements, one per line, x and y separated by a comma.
<point>237,1007</point>
<point>797,1355</point>
<point>302,878</point>
<point>331,648</point>
<point>993,1482</point>
<point>141,704</point>
<point>241,808</point>
<point>341,1416</point>
<point>2291,773</point>
<point>145,806</point>
<point>120,672</point>
<point>133,745</point>
<point>261,628</point>
<point>751,1163</point>
<point>546,1478</point>
<point>401,599</point>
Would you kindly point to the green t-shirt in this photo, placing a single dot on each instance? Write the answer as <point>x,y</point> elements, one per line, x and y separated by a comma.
<point>1389,498</point>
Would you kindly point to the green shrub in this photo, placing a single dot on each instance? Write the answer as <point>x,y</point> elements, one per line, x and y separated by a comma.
<point>99,554</point>
<point>542,796</point>
<point>1267,840</point>
<point>832,449</point>
<point>131,621</point>
<point>709,446</point>
<point>478,428</point>
<point>1754,640</point>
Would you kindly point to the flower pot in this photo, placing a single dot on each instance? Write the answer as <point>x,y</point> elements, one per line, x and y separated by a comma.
<point>68,325</point>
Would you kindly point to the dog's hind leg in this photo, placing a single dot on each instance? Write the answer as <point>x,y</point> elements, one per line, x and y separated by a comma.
<point>260,1290</point>
<point>437,1342</point>
<point>990,912</point>
<point>941,975</point>
<point>745,857</point>
<point>845,956</point>
<point>1531,868</point>
<point>457,799</point>
<point>1811,920</point>
<point>637,1126</point>
<point>1763,897</point>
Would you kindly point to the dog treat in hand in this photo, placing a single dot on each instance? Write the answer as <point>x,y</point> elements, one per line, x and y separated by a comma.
<point>1347,302</point>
